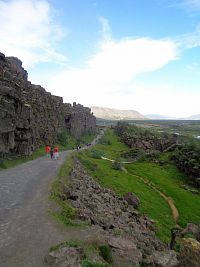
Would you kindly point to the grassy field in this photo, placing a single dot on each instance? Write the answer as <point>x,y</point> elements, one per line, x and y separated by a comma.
<point>166,177</point>
<point>169,181</point>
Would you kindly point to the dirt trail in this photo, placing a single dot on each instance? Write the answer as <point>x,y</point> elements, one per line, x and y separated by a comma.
<point>122,162</point>
<point>168,199</point>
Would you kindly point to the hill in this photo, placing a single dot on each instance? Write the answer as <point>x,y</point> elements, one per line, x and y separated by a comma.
<point>158,117</point>
<point>116,114</point>
<point>194,117</point>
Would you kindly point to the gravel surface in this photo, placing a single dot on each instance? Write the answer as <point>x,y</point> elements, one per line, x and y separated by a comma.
<point>26,228</point>
<point>27,231</point>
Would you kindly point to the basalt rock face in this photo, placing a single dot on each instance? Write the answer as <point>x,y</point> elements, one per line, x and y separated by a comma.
<point>145,140</point>
<point>30,116</point>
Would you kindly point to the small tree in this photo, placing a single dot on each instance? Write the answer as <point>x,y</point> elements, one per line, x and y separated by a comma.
<point>116,165</point>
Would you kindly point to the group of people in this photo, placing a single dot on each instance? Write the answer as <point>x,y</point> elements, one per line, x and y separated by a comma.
<point>51,152</point>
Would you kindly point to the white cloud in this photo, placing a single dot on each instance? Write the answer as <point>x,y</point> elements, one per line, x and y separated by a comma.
<point>122,60</point>
<point>29,31</point>
<point>106,32</point>
<point>190,40</point>
<point>108,76</point>
<point>164,100</point>
<point>191,6</point>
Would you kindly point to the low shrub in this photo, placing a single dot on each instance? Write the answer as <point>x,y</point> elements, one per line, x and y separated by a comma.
<point>116,165</point>
<point>66,140</point>
<point>105,141</point>
<point>96,154</point>
<point>106,253</point>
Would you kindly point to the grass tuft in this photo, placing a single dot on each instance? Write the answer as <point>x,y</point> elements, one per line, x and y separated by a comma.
<point>106,253</point>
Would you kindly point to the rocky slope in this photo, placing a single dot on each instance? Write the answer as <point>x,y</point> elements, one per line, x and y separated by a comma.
<point>116,114</point>
<point>30,116</point>
<point>130,235</point>
<point>139,138</point>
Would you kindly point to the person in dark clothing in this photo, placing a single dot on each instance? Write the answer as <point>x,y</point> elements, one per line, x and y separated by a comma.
<point>51,153</point>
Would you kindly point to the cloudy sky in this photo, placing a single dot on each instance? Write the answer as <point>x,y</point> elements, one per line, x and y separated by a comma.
<point>127,54</point>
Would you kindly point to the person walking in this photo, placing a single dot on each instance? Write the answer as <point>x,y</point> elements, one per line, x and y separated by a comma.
<point>47,151</point>
<point>56,152</point>
<point>51,153</point>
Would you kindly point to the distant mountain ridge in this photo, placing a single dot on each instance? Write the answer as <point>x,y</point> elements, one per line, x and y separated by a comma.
<point>116,114</point>
<point>194,117</point>
<point>159,117</point>
<point>162,117</point>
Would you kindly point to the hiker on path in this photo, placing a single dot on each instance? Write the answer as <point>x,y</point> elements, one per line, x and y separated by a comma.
<point>56,152</point>
<point>47,150</point>
<point>51,153</point>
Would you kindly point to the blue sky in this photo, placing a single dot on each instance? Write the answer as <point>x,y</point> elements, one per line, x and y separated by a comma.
<point>127,54</point>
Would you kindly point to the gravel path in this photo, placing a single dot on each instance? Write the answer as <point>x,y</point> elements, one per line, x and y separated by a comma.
<point>26,229</point>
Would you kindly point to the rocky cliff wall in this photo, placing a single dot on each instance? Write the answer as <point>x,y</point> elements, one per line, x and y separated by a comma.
<point>30,116</point>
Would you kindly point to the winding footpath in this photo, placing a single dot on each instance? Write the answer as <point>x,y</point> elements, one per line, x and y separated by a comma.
<point>169,200</point>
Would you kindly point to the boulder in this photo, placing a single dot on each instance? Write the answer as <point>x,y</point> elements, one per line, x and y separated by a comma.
<point>193,229</point>
<point>132,199</point>
<point>65,257</point>
<point>167,258</point>
<point>190,253</point>
<point>125,252</point>
<point>121,243</point>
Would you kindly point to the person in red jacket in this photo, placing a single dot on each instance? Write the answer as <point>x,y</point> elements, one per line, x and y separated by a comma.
<point>47,150</point>
<point>56,152</point>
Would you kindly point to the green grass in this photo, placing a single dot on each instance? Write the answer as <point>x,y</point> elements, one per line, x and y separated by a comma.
<point>67,213</point>
<point>169,180</point>
<point>66,141</point>
<point>114,149</point>
<point>151,202</point>
<point>166,177</point>
<point>87,138</point>
<point>106,253</point>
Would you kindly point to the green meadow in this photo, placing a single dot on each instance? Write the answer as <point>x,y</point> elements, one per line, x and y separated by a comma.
<point>165,176</point>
